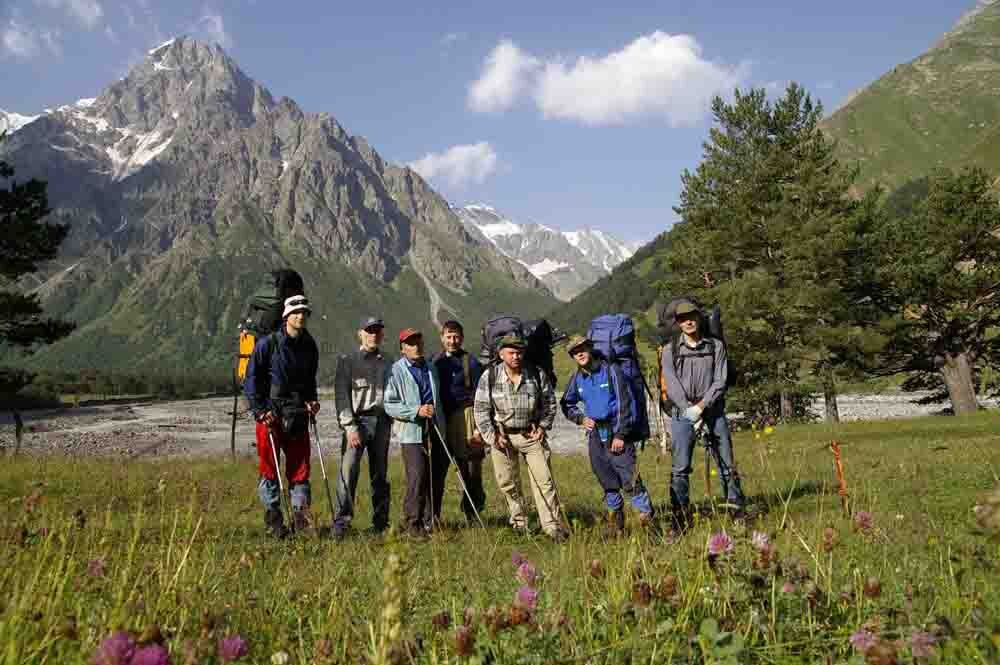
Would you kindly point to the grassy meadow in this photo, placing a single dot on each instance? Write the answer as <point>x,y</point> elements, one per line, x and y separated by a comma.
<point>173,553</point>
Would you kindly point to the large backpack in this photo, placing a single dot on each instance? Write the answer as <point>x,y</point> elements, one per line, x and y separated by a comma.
<point>613,336</point>
<point>710,325</point>
<point>538,334</point>
<point>262,315</point>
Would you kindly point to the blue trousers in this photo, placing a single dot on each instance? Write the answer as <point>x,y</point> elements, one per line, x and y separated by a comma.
<point>375,431</point>
<point>716,433</point>
<point>617,474</point>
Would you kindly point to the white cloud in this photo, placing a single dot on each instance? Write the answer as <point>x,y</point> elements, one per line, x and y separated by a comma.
<point>87,12</point>
<point>505,74</point>
<point>26,42</point>
<point>458,165</point>
<point>656,75</point>
<point>213,27</point>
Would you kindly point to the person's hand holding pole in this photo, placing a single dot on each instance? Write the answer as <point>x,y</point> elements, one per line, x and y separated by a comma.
<point>589,424</point>
<point>312,408</point>
<point>535,433</point>
<point>426,411</point>
<point>617,444</point>
<point>354,439</point>
<point>267,418</point>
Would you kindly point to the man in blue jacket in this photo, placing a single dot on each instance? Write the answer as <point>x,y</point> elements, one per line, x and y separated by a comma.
<point>413,399</point>
<point>280,386</point>
<point>598,398</point>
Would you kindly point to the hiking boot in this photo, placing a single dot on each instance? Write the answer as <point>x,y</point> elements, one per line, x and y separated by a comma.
<point>301,520</point>
<point>558,536</point>
<point>274,522</point>
<point>339,531</point>
<point>615,523</point>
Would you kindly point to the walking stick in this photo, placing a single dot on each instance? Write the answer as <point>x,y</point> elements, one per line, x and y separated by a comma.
<point>281,485</point>
<point>322,467</point>
<point>461,480</point>
<point>835,448</point>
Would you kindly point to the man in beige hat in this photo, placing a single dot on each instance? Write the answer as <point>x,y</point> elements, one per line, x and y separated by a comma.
<point>514,407</point>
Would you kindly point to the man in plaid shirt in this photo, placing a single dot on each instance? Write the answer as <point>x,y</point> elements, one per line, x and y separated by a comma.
<point>514,406</point>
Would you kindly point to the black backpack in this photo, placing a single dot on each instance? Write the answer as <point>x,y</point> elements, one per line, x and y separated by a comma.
<point>263,313</point>
<point>538,335</point>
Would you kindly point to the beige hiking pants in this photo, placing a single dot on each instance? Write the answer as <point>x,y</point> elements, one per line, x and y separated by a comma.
<point>506,467</point>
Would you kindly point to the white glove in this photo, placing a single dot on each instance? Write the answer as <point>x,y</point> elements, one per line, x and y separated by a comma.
<point>693,413</point>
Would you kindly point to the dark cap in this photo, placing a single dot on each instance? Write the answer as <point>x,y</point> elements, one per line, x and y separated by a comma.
<point>685,308</point>
<point>575,342</point>
<point>371,321</point>
<point>512,340</point>
<point>408,333</point>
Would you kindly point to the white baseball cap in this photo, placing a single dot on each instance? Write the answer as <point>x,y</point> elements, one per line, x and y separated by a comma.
<point>296,304</point>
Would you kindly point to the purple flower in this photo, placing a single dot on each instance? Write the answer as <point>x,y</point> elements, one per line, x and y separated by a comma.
<point>526,598</point>
<point>760,541</point>
<point>787,587</point>
<point>117,649</point>
<point>232,648</point>
<point>526,573</point>
<point>96,568</point>
<point>719,543</point>
<point>154,654</point>
<point>922,644</point>
<point>862,640</point>
<point>517,559</point>
<point>863,521</point>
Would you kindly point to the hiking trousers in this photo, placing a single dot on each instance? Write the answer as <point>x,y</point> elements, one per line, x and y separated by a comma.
<point>716,433</point>
<point>375,431</point>
<point>617,473</point>
<point>426,467</point>
<point>295,449</point>
<point>460,426</point>
<point>506,467</point>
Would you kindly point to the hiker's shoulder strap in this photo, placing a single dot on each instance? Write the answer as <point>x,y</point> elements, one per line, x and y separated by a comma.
<point>467,371</point>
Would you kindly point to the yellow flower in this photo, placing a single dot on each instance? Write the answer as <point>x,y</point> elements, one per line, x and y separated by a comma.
<point>769,430</point>
<point>714,473</point>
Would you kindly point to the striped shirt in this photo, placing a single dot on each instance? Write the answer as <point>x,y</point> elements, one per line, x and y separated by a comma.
<point>533,400</point>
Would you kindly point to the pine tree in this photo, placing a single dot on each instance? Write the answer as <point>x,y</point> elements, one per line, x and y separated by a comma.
<point>765,233</point>
<point>930,272</point>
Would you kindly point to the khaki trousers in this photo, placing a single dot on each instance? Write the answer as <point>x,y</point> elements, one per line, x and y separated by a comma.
<point>506,467</point>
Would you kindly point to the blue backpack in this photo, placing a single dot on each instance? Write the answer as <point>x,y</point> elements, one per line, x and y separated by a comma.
<point>613,336</point>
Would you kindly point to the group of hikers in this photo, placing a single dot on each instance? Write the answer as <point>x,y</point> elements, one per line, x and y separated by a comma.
<point>454,409</point>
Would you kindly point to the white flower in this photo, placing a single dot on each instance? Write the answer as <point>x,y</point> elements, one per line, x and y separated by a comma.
<point>279,658</point>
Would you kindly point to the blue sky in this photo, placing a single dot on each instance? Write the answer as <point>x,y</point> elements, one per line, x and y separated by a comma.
<point>564,113</point>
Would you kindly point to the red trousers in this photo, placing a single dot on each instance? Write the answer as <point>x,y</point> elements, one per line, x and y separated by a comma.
<point>294,448</point>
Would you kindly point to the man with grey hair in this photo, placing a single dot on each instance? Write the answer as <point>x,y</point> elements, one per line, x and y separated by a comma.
<point>359,390</point>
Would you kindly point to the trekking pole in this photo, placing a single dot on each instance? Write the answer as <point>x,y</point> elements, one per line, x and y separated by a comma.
<point>461,480</point>
<point>322,467</point>
<point>277,474</point>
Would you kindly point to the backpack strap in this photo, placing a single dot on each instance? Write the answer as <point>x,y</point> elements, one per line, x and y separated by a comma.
<point>466,371</point>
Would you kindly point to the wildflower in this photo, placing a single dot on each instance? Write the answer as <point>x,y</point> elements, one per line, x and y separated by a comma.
<point>518,616</point>
<point>668,587</point>
<point>117,649</point>
<point>760,541</point>
<point>232,648</point>
<point>96,568</point>
<point>719,543</point>
<point>768,430</point>
<point>469,617</point>
<point>863,521</point>
<point>881,653</point>
<point>862,640</point>
<point>596,569</point>
<point>642,594</point>
<point>922,644</point>
<point>517,559</point>
<point>787,587</point>
<point>464,641</point>
<point>526,598</point>
<point>526,573</point>
<point>279,658</point>
<point>441,620</point>
<point>873,588</point>
<point>153,654</point>
<point>830,539</point>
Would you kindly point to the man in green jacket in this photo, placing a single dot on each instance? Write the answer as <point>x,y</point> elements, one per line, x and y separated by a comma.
<point>413,398</point>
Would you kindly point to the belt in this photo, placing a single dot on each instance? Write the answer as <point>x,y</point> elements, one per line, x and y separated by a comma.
<point>516,430</point>
<point>370,413</point>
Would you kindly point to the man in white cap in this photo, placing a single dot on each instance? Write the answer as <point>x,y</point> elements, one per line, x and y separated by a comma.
<point>280,387</point>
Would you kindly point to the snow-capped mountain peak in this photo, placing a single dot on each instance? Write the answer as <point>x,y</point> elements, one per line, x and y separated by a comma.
<point>10,122</point>
<point>566,261</point>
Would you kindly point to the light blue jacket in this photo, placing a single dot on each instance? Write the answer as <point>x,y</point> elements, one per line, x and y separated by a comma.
<point>402,399</point>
